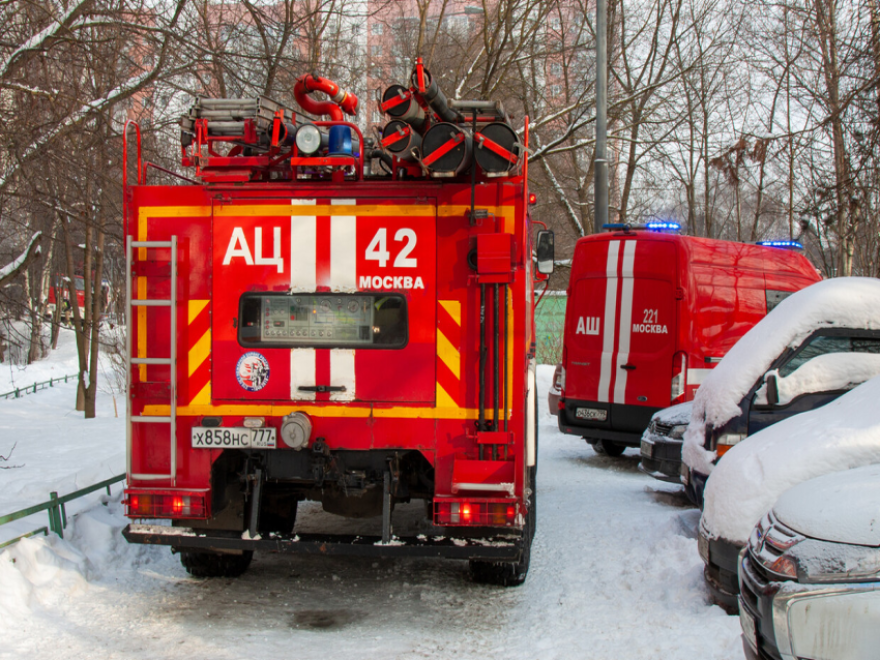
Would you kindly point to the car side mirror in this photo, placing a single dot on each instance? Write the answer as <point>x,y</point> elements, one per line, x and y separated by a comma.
<point>772,389</point>
<point>545,252</point>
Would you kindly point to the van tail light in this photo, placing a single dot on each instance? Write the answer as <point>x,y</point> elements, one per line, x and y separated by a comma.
<point>166,504</point>
<point>497,513</point>
<point>679,375</point>
<point>728,440</point>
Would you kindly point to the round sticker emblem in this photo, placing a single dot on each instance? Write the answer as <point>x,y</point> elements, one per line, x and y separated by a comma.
<point>252,371</point>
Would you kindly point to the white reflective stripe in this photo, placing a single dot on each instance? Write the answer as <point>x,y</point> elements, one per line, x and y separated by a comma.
<point>303,249</point>
<point>343,249</point>
<point>342,373</point>
<point>697,376</point>
<point>302,373</point>
<point>626,308</point>
<point>610,313</point>
<point>531,422</point>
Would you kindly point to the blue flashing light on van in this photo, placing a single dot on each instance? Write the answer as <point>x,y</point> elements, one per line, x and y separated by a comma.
<point>792,245</point>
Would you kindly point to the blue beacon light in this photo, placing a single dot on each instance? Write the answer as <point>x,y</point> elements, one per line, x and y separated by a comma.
<point>793,245</point>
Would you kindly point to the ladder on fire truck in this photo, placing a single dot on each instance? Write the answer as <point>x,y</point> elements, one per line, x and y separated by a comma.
<point>170,361</point>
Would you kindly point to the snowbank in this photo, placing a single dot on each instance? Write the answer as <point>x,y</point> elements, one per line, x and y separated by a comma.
<point>845,302</point>
<point>841,435</point>
<point>50,446</point>
<point>629,589</point>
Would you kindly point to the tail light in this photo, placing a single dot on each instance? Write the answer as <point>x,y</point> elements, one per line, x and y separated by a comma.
<point>726,441</point>
<point>496,513</point>
<point>679,375</point>
<point>168,504</point>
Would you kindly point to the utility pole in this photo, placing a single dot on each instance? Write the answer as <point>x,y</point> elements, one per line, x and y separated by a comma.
<point>600,195</point>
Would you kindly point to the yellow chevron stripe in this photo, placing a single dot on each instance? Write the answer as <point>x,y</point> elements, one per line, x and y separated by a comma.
<point>199,352</point>
<point>195,308</point>
<point>203,398</point>
<point>453,308</point>
<point>448,354</point>
<point>443,399</point>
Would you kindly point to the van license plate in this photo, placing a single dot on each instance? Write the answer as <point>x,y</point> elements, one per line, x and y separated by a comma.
<point>647,449</point>
<point>594,414</point>
<point>232,437</point>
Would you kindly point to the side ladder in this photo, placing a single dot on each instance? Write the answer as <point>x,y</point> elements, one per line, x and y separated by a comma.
<point>135,361</point>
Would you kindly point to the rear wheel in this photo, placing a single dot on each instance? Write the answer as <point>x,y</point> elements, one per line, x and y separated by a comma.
<point>503,573</point>
<point>608,448</point>
<point>213,564</point>
<point>514,574</point>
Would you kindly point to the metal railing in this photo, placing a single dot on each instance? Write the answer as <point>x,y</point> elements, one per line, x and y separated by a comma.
<point>19,392</point>
<point>56,508</point>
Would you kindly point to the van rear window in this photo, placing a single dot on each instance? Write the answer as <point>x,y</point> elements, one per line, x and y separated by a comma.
<point>823,344</point>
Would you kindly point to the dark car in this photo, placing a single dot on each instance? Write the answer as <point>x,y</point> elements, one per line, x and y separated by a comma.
<point>661,443</point>
<point>763,406</point>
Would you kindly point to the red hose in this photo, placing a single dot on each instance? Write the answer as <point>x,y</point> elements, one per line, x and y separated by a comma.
<point>343,101</point>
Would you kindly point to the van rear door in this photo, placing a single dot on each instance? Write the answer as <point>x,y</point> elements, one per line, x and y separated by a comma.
<point>620,325</point>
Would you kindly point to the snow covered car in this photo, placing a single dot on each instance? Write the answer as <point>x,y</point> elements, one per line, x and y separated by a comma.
<point>555,390</point>
<point>842,435</point>
<point>809,575</point>
<point>794,360</point>
<point>661,442</point>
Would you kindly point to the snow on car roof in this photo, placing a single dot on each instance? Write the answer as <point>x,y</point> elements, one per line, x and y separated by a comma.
<point>844,302</point>
<point>677,414</point>
<point>841,435</point>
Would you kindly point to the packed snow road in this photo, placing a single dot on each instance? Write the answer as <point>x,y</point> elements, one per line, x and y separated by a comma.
<point>615,573</point>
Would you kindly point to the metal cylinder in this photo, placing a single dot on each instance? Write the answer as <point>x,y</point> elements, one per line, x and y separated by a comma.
<point>435,98</point>
<point>446,150</point>
<point>399,138</point>
<point>497,148</point>
<point>296,429</point>
<point>407,109</point>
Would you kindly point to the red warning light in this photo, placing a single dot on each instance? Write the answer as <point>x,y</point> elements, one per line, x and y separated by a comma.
<point>533,199</point>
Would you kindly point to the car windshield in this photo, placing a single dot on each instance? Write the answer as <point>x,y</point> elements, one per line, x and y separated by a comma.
<point>823,344</point>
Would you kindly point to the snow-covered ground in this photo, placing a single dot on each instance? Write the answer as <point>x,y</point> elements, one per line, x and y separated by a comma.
<point>615,573</point>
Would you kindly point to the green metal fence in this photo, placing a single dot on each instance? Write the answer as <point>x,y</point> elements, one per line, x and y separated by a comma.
<point>56,508</point>
<point>549,324</point>
<point>19,392</point>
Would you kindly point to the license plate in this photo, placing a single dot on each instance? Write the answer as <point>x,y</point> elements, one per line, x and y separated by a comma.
<point>750,633</point>
<point>647,449</point>
<point>232,437</point>
<point>703,547</point>
<point>595,414</point>
<point>685,476</point>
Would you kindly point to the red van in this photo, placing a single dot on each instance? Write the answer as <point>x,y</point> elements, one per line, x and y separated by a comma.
<point>649,313</point>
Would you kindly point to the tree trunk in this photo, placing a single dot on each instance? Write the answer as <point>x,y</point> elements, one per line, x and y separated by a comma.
<point>78,321</point>
<point>91,393</point>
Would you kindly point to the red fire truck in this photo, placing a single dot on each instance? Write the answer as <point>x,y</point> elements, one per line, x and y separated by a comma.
<point>649,313</point>
<point>317,315</point>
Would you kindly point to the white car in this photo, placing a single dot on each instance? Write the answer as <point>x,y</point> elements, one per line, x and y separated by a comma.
<point>842,435</point>
<point>810,573</point>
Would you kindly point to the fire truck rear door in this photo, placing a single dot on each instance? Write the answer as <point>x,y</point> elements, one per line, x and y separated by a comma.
<point>621,324</point>
<point>324,299</point>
